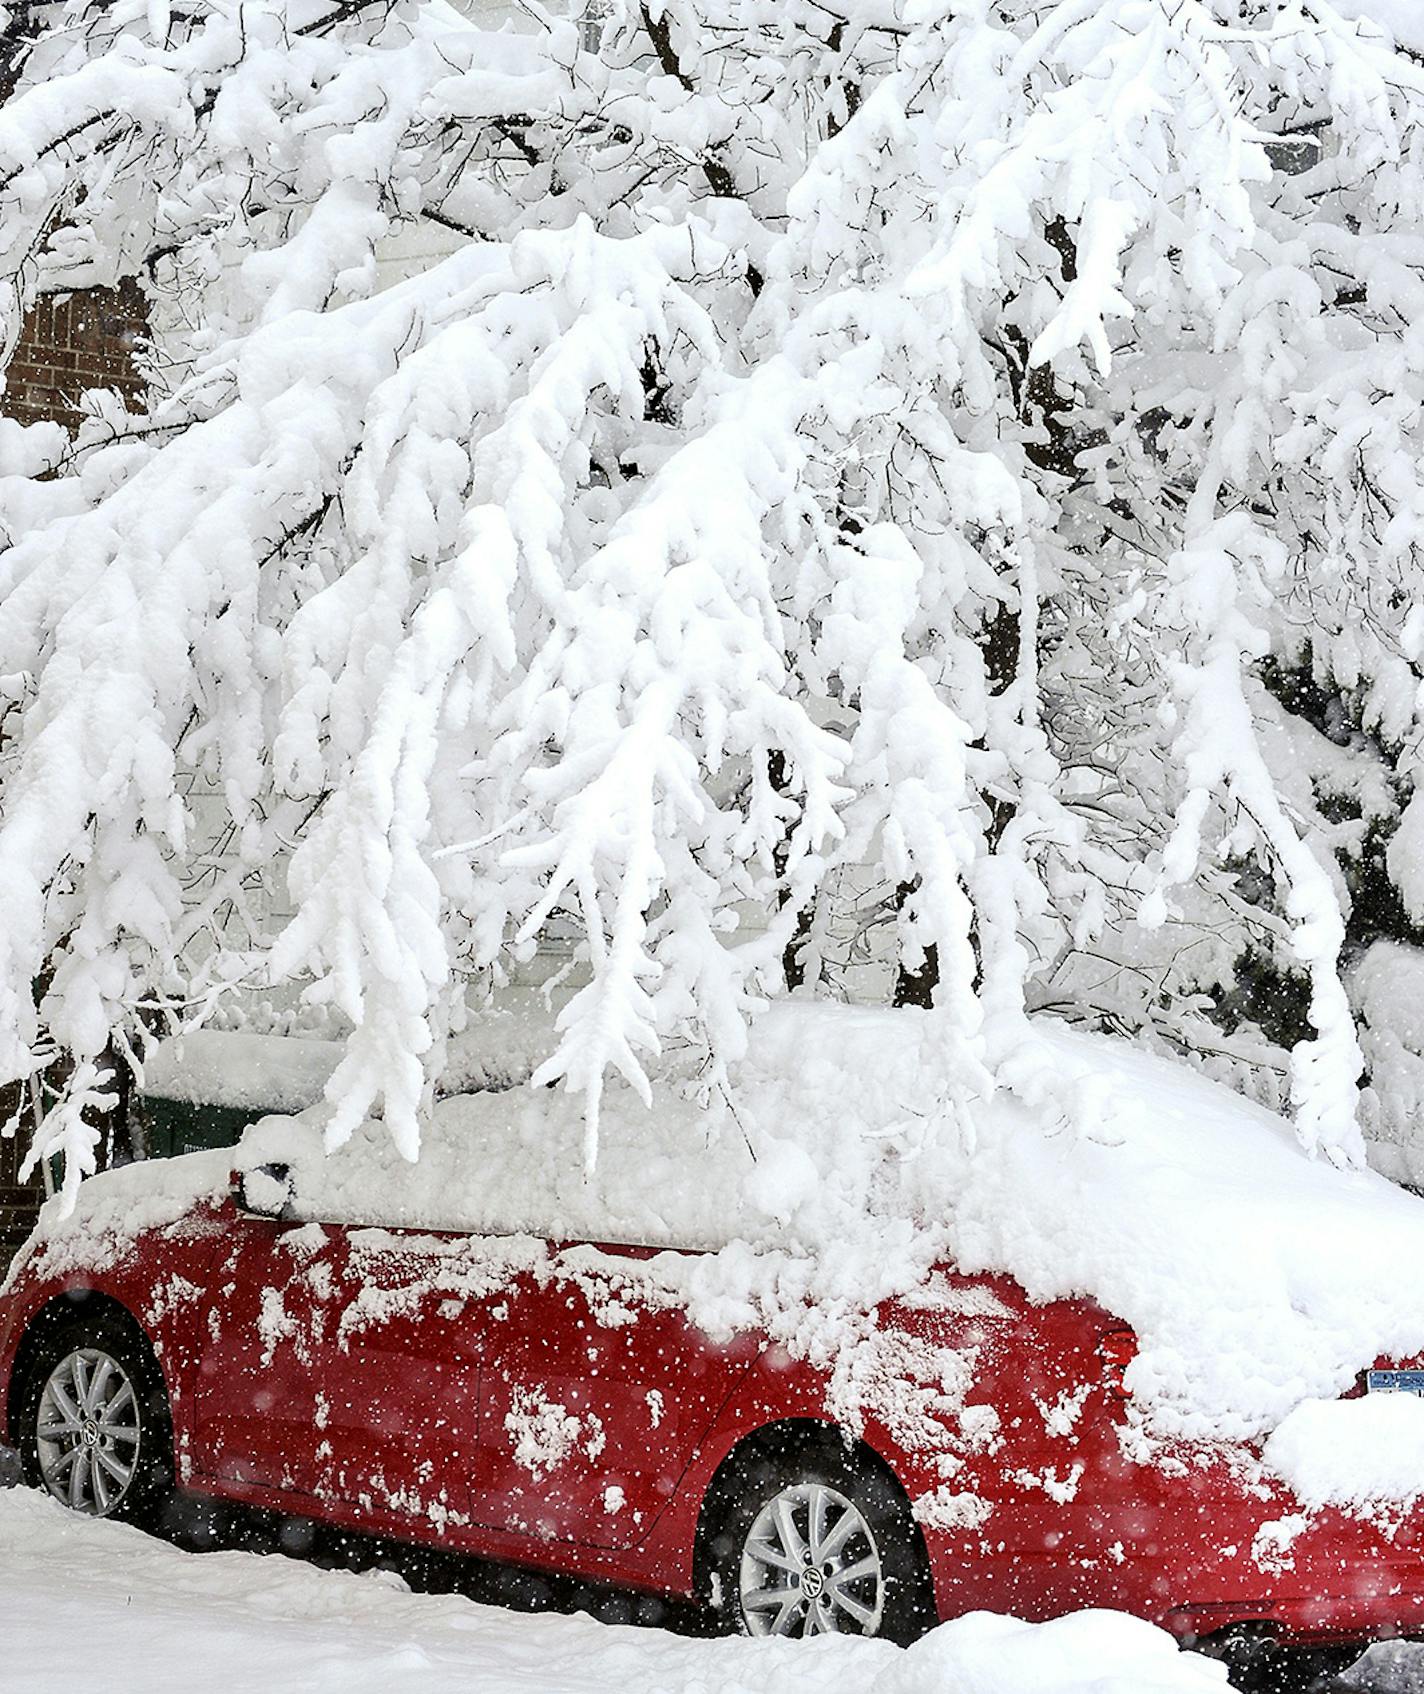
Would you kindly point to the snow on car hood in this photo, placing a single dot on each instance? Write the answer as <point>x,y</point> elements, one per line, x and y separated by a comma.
<point>1255,1276</point>
<point>846,1159</point>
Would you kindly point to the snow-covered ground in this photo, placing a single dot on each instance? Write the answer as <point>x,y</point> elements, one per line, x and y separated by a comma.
<point>267,1624</point>
<point>169,1620</point>
<point>147,1618</point>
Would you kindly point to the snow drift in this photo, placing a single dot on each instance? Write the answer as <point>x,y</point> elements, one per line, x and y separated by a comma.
<point>276,1625</point>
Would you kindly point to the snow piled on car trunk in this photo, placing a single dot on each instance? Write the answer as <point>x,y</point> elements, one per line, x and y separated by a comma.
<point>275,1625</point>
<point>849,1156</point>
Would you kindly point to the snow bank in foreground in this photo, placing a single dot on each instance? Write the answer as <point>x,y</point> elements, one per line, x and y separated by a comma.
<point>275,1626</point>
<point>848,1160</point>
<point>1095,1652</point>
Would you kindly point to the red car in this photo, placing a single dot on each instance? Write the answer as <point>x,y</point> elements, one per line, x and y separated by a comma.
<point>528,1401</point>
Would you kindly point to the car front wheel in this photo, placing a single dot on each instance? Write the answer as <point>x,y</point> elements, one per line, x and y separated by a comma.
<point>813,1540</point>
<point>94,1424</point>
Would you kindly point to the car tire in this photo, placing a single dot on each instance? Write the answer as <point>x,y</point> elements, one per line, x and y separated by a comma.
<point>94,1425</point>
<point>844,1523</point>
<point>1256,1663</point>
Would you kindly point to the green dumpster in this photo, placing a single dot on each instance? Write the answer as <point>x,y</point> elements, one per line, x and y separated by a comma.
<point>201,1090</point>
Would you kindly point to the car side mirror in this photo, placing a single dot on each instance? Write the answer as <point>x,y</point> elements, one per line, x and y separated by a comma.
<point>266,1191</point>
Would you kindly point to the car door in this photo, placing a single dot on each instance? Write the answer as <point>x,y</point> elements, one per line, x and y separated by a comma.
<point>595,1392</point>
<point>341,1369</point>
<point>401,1396</point>
<point>255,1426</point>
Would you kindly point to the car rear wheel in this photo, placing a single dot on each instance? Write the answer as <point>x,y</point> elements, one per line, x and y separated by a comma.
<point>811,1539</point>
<point>94,1424</point>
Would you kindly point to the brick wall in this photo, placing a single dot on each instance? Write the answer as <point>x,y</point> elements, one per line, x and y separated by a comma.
<point>70,342</point>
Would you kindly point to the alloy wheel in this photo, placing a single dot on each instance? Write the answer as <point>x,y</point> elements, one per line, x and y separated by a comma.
<point>88,1431</point>
<point>810,1566</point>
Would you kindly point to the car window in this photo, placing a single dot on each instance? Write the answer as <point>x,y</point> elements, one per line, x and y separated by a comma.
<point>513,1162</point>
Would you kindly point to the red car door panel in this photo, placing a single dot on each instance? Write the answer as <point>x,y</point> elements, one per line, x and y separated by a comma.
<point>402,1371</point>
<point>343,1368</point>
<point>593,1399</point>
<point>255,1422</point>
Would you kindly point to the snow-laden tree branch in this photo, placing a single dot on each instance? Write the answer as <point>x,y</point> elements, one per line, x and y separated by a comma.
<point>883,441</point>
